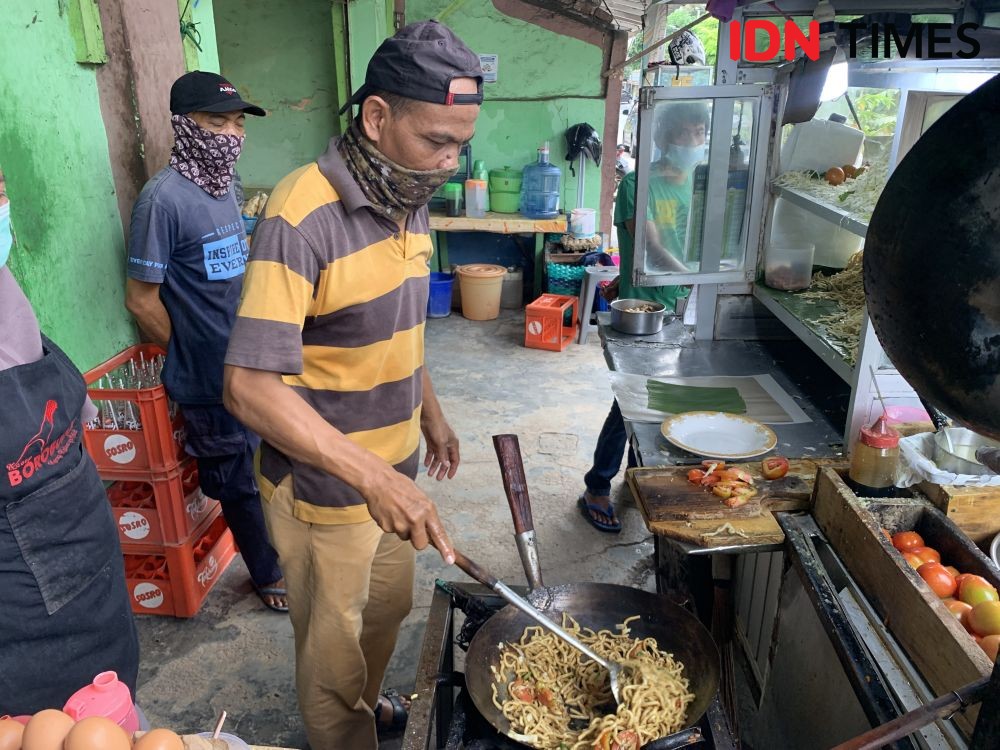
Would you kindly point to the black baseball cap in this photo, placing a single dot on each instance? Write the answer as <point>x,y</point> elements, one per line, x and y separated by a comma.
<point>420,62</point>
<point>199,91</point>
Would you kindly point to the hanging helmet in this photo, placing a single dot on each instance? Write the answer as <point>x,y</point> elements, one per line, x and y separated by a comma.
<point>686,49</point>
<point>582,138</point>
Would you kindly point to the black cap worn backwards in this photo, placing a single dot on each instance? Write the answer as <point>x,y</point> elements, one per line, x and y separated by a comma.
<point>198,91</point>
<point>420,62</point>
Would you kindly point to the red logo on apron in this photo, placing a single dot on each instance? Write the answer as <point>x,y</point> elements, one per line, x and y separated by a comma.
<point>41,450</point>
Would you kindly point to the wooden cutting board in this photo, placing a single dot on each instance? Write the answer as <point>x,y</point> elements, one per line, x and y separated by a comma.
<point>674,507</point>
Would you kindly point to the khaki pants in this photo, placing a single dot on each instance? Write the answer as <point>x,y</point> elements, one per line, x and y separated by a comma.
<point>349,588</point>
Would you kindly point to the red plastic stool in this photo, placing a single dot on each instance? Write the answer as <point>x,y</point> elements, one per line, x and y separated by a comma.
<point>543,322</point>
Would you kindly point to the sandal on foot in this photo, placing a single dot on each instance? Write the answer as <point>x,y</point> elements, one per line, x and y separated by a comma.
<point>265,591</point>
<point>400,713</point>
<point>611,526</point>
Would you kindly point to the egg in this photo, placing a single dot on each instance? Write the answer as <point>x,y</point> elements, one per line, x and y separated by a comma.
<point>10,734</point>
<point>46,730</point>
<point>97,733</point>
<point>159,739</point>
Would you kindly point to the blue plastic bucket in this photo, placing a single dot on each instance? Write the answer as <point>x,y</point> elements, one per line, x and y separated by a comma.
<point>439,300</point>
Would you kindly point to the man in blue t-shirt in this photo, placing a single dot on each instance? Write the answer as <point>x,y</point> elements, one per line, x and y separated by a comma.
<point>187,253</point>
<point>679,134</point>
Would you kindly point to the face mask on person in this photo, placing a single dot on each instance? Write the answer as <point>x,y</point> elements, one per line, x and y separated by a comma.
<point>684,158</point>
<point>6,235</point>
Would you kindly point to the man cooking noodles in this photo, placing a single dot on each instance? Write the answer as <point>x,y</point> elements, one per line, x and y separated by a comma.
<point>187,251</point>
<point>680,130</point>
<point>326,363</point>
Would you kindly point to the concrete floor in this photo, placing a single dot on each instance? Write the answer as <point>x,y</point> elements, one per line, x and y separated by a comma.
<point>236,655</point>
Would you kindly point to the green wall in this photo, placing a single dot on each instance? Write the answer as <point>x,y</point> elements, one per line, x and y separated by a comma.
<point>202,14</point>
<point>54,153</point>
<point>283,61</point>
<point>546,83</point>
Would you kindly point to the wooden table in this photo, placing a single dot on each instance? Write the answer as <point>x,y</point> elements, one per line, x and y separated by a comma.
<point>495,224</point>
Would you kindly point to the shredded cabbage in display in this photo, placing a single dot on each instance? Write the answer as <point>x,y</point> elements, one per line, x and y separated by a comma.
<point>857,196</point>
<point>847,289</point>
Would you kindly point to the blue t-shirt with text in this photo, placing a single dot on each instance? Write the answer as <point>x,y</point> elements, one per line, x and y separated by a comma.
<point>195,247</point>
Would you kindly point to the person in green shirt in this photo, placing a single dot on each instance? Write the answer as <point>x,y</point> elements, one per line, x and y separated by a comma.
<point>679,134</point>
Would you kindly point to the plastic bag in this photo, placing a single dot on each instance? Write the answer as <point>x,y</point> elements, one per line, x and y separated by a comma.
<point>916,465</point>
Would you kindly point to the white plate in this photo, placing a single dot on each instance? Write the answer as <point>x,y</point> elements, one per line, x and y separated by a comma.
<point>715,434</point>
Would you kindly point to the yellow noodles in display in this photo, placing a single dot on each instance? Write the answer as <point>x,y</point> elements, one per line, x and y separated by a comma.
<point>558,698</point>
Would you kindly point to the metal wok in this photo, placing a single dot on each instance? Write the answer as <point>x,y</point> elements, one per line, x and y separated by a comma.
<point>932,263</point>
<point>593,605</point>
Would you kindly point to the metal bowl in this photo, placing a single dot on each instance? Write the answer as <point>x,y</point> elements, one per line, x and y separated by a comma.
<point>961,459</point>
<point>637,323</point>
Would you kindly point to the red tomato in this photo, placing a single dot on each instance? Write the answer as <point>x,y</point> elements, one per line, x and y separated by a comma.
<point>710,479</point>
<point>627,740</point>
<point>927,554</point>
<point>976,590</point>
<point>905,541</point>
<point>912,560</point>
<point>695,476</point>
<point>522,691</point>
<point>960,610</point>
<point>984,619</point>
<point>990,644</point>
<point>713,464</point>
<point>736,475</point>
<point>546,697</point>
<point>774,468</point>
<point>953,570</point>
<point>937,578</point>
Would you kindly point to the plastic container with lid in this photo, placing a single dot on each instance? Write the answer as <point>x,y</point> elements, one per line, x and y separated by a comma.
<point>106,696</point>
<point>482,286</point>
<point>452,199</point>
<point>476,196</point>
<point>874,460</point>
<point>505,190</point>
<point>479,172</point>
<point>540,187</point>
<point>788,268</point>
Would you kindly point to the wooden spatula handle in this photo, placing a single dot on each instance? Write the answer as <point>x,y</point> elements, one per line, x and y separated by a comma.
<point>475,570</point>
<point>514,482</point>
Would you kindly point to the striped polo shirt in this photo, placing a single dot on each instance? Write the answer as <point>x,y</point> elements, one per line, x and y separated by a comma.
<point>335,299</point>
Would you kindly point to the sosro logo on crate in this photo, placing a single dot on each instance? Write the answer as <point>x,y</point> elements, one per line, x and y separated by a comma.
<point>760,40</point>
<point>134,525</point>
<point>148,595</point>
<point>119,449</point>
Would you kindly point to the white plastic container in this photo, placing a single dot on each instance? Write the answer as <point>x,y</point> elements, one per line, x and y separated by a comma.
<point>819,145</point>
<point>795,227</point>
<point>476,196</point>
<point>583,223</point>
<point>788,268</point>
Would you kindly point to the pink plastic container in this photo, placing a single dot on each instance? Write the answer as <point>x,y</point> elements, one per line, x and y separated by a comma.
<point>106,696</point>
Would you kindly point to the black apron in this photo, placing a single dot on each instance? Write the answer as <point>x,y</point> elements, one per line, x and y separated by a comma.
<point>64,607</point>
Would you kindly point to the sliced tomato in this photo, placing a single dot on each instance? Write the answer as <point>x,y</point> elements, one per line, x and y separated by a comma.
<point>775,467</point>
<point>736,501</point>
<point>522,691</point>
<point>695,476</point>
<point>627,740</point>
<point>712,465</point>
<point>545,696</point>
<point>710,479</point>
<point>604,741</point>
<point>736,475</point>
<point>723,490</point>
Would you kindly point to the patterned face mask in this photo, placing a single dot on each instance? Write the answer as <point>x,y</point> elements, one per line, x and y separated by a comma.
<point>393,190</point>
<point>206,158</point>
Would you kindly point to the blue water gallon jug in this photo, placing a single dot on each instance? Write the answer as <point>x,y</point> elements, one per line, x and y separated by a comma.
<point>540,188</point>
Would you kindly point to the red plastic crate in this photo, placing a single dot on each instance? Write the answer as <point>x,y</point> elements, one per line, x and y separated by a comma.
<point>175,580</point>
<point>166,508</point>
<point>544,322</point>
<point>158,446</point>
